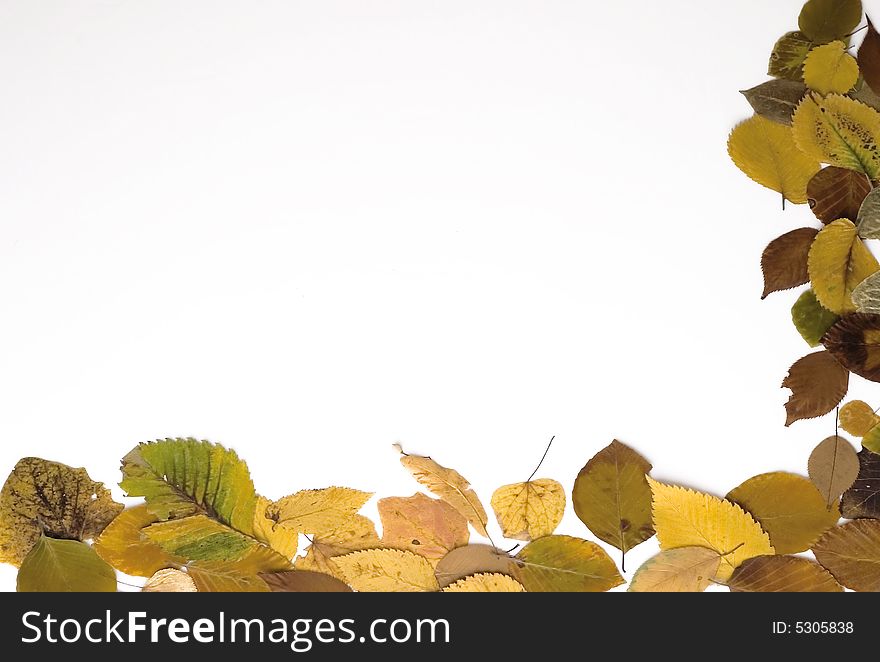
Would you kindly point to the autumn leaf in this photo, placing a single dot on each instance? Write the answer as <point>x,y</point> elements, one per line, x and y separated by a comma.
<point>788,507</point>
<point>852,554</point>
<point>449,485</point>
<point>776,99</point>
<point>303,581</point>
<point>838,261</point>
<point>818,382</point>
<point>829,68</point>
<point>811,319</point>
<point>529,510</point>
<point>684,518</point>
<point>67,566</point>
<point>825,20</point>
<point>862,497</point>
<point>485,583</point>
<point>125,546</point>
<point>871,440</point>
<point>680,570</point>
<point>239,575</point>
<point>835,193</point>
<point>869,216</point>
<point>282,539</point>
<point>869,57</point>
<point>766,152</point>
<point>788,55</point>
<point>471,560</point>
<point>855,342</point>
<point>866,295</point>
<point>387,570</point>
<point>564,564</point>
<point>353,534</point>
<point>48,498</point>
<point>857,417</point>
<point>840,131</point>
<point>782,574</point>
<point>317,511</point>
<point>170,580</point>
<point>424,526</point>
<point>612,498</point>
<point>833,466</point>
<point>784,261</point>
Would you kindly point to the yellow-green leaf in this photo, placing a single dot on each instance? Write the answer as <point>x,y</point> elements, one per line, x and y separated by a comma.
<point>67,566</point>
<point>824,20</point>
<point>126,547</point>
<point>554,564</point>
<point>811,319</point>
<point>789,53</point>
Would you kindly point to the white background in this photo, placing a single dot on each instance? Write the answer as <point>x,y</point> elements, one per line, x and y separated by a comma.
<point>310,229</point>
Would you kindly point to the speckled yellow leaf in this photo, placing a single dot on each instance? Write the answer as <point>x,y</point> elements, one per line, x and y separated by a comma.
<point>829,68</point>
<point>485,583</point>
<point>680,570</point>
<point>529,510</point>
<point>839,131</point>
<point>317,511</point>
<point>838,261</point>
<point>684,518</point>
<point>282,539</point>
<point>170,581</point>
<point>766,152</point>
<point>857,418</point>
<point>387,570</point>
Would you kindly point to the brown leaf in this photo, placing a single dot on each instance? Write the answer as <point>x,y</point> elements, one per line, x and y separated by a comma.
<point>835,193</point>
<point>428,527</point>
<point>471,560</point>
<point>303,581</point>
<point>833,466</point>
<point>869,58</point>
<point>782,574</point>
<point>855,342</point>
<point>784,261</point>
<point>776,99</point>
<point>818,383</point>
<point>862,499</point>
<point>852,554</point>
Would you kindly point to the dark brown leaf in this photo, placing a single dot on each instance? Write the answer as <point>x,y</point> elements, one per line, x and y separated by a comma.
<point>303,581</point>
<point>776,99</point>
<point>784,261</point>
<point>863,498</point>
<point>818,383</point>
<point>837,193</point>
<point>869,58</point>
<point>782,574</point>
<point>855,342</point>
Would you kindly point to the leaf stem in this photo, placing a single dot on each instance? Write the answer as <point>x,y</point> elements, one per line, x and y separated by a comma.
<point>546,450</point>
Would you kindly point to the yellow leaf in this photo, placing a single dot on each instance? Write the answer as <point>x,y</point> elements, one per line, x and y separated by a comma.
<point>563,564</point>
<point>681,570</point>
<point>387,570</point>
<point>766,152</point>
<point>684,518</point>
<point>317,511</point>
<point>829,68</point>
<point>66,566</point>
<point>126,547</point>
<point>449,485</point>
<point>352,535</point>
<point>529,510</point>
<point>485,583</point>
<point>840,131</point>
<point>422,525</point>
<point>857,418</point>
<point>241,575</point>
<point>170,581</point>
<point>838,261</point>
<point>281,539</point>
<point>788,507</point>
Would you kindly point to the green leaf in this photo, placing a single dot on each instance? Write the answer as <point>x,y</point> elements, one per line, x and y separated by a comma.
<point>811,319</point>
<point>67,566</point>
<point>789,53</point>
<point>826,20</point>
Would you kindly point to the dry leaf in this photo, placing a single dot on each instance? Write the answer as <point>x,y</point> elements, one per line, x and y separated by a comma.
<point>766,153</point>
<point>611,496</point>
<point>818,382</point>
<point>789,53</point>
<point>424,526</point>
<point>681,570</point>
<point>170,580</point>
<point>866,295</point>
<point>835,193</point>
<point>869,216</point>
<point>266,530</point>
<point>303,581</point>
<point>782,574</point>
<point>352,535</point>
<point>529,510</point>
<point>871,440</point>
<point>241,575</point>
<point>852,554</point>
<point>471,560</point>
<point>855,342</point>
<point>387,570</point>
<point>789,508</point>
<point>43,497</point>
<point>485,583</point>
<point>784,261</point>
<point>837,263</point>
<point>684,518</point>
<point>776,99</point>
<point>811,319</point>
<point>67,566</point>
<point>126,547</point>
<point>869,57</point>
<point>833,466</point>
<point>564,564</point>
<point>317,511</point>
<point>825,20</point>
<point>829,68</point>
<point>857,417</point>
<point>449,485</point>
<point>862,498</point>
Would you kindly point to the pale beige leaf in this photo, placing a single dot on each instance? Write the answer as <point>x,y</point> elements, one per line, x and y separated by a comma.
<point>471,560</point>
<point>170,580</point>
<point>680,570</point>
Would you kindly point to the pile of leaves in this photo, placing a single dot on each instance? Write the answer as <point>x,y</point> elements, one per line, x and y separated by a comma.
<point>200,525</point>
